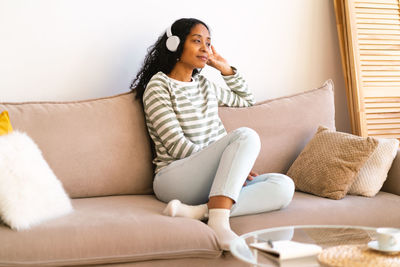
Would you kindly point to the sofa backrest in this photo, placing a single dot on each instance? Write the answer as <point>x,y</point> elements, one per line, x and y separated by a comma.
<point>285,125</point>
<point>101,146</point>
<point>95,147</point>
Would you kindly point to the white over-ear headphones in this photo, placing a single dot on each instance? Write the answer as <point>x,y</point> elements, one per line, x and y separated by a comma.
<point>172,41</point>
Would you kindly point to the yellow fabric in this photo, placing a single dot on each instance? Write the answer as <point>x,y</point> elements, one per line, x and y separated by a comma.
<point>5,124</point>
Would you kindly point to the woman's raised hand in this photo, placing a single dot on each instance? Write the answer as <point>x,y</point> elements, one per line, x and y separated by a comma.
<point>215,60</point>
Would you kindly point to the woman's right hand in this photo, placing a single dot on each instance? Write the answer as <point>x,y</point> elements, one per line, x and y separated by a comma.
<point>216,61</point>
<point>250,177</point>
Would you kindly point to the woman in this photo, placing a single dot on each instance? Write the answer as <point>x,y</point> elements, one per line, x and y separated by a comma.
<point>200,169</point>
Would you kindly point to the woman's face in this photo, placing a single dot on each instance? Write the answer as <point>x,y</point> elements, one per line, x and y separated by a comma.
<point>196,48</point>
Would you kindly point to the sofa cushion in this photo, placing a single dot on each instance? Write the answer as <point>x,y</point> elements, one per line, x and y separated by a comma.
<point>109,230</point>
<point>305,209</point>
<point>285,124</point>
<point>330,162</point>
<point>95,147</point>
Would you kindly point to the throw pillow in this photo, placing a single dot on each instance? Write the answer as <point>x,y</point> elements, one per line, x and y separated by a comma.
<point>329,163</point>
<point>5,125</point>
<point>30,192</point>
<point>374,172</point>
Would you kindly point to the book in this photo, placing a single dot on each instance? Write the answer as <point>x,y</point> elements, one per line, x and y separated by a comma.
<point>286,249</point>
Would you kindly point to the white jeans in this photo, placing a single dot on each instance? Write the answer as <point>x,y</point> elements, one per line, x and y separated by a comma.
<point>221,170</point>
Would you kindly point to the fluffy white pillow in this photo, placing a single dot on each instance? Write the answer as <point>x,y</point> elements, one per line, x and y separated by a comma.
<point>30,193</point>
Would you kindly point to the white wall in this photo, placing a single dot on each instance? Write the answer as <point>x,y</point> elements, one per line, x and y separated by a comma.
<point>77,49</point>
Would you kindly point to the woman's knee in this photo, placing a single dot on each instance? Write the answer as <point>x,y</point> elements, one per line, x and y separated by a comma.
<point>158,192</point>
<point>162,189</point>
<point>250,136</point>
<point>166,190</point>
<point>285,187</point>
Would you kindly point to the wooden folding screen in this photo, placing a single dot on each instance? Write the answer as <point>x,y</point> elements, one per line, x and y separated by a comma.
<point>369,37</point>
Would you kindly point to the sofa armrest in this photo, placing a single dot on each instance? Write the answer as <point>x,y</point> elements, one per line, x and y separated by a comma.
<point>392,183</point>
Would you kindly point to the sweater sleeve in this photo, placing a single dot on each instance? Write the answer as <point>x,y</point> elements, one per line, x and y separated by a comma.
<point>162,118</point>
<point>238,94</point>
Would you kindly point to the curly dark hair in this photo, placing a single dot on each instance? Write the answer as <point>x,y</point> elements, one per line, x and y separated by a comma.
<point>159,58</point>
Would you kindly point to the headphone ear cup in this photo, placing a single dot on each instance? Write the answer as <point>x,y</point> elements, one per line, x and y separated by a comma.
<point>173,43</point>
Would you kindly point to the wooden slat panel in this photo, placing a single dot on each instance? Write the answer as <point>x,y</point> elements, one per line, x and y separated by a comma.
<point>386,99</point>
<point>381,63</point>
<point>384,80</point>
<point>370,42</point>
<point>378,37</point>
<point>379,129</point>
<point>386,58</point>
<point>383,121</point>
<point>376,23</point>
<point>394,115</point>
<point>384,47</point>
<point>380,91</point>
<point>382,23</point>
<point>371,30</point>
<point>390,102</point>
<point>377,16</point>
<point>383,73</point>
<point>376,11</point>
<point>379,32</point>
<point>394,136</point>
<point>383,127</point>
<point>380,67</point>
<point>380,52</point>
<point>386,84</point>
<point>394,133</point>
<point>378,110</point>
<point>391,2</point>
<point>376,6</point>
<point>373,26</point>
<point>369,105</point>
<point>372,22</point>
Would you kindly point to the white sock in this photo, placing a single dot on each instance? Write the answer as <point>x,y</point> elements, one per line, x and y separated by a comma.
<point>175,208</point>
<point>218,220</point>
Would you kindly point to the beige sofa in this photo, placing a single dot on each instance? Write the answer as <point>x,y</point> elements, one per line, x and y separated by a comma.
<point>100,151</point>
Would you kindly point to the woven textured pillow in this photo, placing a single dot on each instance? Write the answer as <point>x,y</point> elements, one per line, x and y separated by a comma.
<point>374,172</point>
<point>330,162</point>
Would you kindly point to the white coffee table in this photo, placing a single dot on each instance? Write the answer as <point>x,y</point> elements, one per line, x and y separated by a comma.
<point>325,236</point>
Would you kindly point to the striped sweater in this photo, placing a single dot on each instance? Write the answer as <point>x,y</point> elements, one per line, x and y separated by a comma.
<point>182,117</point>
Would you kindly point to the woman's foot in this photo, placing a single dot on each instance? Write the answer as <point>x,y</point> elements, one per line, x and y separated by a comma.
<point>175,208</point>
<point>218,220</point>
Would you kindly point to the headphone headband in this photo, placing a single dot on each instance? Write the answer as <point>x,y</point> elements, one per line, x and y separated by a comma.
<point>169,31</point>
